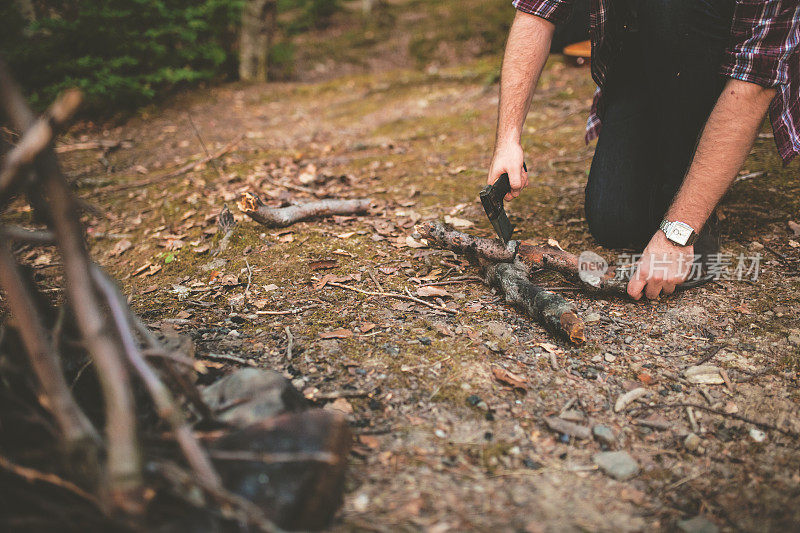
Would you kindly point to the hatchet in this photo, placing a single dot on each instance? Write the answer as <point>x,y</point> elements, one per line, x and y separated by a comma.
<point>492,200</point>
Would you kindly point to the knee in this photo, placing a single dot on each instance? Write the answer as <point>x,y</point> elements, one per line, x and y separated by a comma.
<point>614,225</point>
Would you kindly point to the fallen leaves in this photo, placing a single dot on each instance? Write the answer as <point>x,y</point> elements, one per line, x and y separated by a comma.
<point>458,223</point>
<point>336,334</point>
<point>426,292</point>
<point>121,247</point>
<point>509,378</point>
<point>323,264</point>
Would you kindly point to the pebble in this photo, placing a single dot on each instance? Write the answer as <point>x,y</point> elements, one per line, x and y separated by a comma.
<point>591,317</point>
<point>698,524</point>
<point>704,374</point>
<point>629,397</point>
<point>619,465</point>
<point>609,358</point>
<point>692,442</point>
<point>439,433</point>
<point>604,435</point>
<point>568,428</point>
<point>361,503</point>
<point>597,359</point>
<point>758,435</point>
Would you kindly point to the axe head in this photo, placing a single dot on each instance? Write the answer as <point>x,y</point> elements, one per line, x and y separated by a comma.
<point>492,200</point>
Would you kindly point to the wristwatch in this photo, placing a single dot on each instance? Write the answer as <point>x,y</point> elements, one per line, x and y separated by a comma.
<point>680,233</point>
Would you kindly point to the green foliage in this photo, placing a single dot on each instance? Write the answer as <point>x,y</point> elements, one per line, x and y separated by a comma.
<point>121,53</point>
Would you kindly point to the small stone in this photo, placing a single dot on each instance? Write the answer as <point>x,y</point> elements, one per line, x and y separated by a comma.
<point>704,374</point>
<point>425,341</point>
<point>698,524</point>
<point>568,428</point>
<point>629,397</point>
<point>692,442</point>
<point>572,415</point>
<point>597,359</point>
<point>592,317</point>
<point>440,433</point>
<point>628,339</point>
<point>619,465</point>
<point>604,435</point>
<point>794,337</point>
<point>361,503</point>
<point>609,358</point>
<point>758,435</point>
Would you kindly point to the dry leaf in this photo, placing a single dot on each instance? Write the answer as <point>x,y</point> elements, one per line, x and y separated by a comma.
<point>370,441</point>
<point>346,235</point>
<point>322,264</point>
<point>413,243</point>
<point>794,244</point>
<point>425,292</point>
<point>366,327</point>
<point>442,328</point>
<point>202,249</point>
<point>795,227</point>
<point>509,378</point>
<point>336,334</point>
<point>458,222</point>
<point>289,237</point>
<point>121,247</point>
<point>550,348</point>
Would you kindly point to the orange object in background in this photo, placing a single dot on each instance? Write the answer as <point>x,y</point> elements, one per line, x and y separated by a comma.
<point>579,53</point>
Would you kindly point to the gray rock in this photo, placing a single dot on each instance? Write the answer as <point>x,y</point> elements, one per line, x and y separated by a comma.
<point>619,465</point>
<point>604,435</point>
<point>698,524</point>
<point>592,317</point>
<point>568,428</point>
<point>692,442</point>
<point>250,395</point>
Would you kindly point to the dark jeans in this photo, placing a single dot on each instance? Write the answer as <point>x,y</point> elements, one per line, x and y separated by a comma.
<point>658,96</point>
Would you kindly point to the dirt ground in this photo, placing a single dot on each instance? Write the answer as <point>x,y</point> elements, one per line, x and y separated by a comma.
<point>441,444</point>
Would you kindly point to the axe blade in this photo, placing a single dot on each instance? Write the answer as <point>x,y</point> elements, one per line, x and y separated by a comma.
<point>492,200</point>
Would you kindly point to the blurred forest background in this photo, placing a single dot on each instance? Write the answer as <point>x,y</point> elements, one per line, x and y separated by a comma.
<point>124,54</point>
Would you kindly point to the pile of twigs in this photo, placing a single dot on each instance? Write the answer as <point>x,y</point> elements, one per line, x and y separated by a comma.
<point>119,347</point>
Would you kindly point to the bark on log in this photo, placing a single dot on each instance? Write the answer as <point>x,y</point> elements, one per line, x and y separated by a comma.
<point>552,310</point>
<point>282,217</point>
<point>531,255</point>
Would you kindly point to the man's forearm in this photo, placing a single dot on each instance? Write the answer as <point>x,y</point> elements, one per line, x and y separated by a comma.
<point>725,143</point>
<point>526,53</point>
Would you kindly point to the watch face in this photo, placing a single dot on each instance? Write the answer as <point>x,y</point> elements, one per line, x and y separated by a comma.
<point>680,233</point>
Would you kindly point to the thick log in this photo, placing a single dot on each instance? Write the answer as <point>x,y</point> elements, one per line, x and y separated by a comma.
<point>282,217</point>
<point>532,256</point>
<point>557,314</point>
<point>292,466</point>
<point>461,243</point>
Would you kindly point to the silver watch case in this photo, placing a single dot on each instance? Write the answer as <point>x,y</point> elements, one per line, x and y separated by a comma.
<point>680,233</point>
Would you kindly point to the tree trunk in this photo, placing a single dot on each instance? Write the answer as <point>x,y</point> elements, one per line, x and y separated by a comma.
<point>258,25</point>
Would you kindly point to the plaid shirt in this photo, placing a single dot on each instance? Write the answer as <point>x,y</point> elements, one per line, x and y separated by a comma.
<point>763,50</point>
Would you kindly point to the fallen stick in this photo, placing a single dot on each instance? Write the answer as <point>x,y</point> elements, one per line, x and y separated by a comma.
<point>281,217</point>
<point>503,270</point>
<point>175,173</point>
<point>556,313</point>
<point>394,295</point>
<point>104,145</point>
<point>530,255</point>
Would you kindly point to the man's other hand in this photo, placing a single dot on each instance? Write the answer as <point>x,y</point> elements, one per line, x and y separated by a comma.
<point>662,267</point>
<point>509,158</point>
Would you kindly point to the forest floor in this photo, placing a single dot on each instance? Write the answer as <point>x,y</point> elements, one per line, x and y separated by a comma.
<point>441,444</point>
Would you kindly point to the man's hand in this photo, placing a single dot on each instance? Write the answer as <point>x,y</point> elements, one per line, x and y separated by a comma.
<point>509,159</point>
<point>662,267</point>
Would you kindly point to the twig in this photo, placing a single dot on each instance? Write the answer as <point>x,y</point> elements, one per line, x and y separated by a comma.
<point>289,343</point>
<point>37,137</point>
<point>105,146</point>
<point>281,217</point>
<point>165,405</point>
<point>757,423</point>
<point>374,279</point>
<point>288,311</point>
<point>212,160</point>
<point>327,396</point>
<point>710,353</point>
<point>75,427</point>
<point>31,475</point>
<point>226,357</point>
<point>249,276</point>
<point>275,457</point>
<point>462,279</point>
<point>16,233</point>
<point>176,173</point>
<point>393,295</point>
